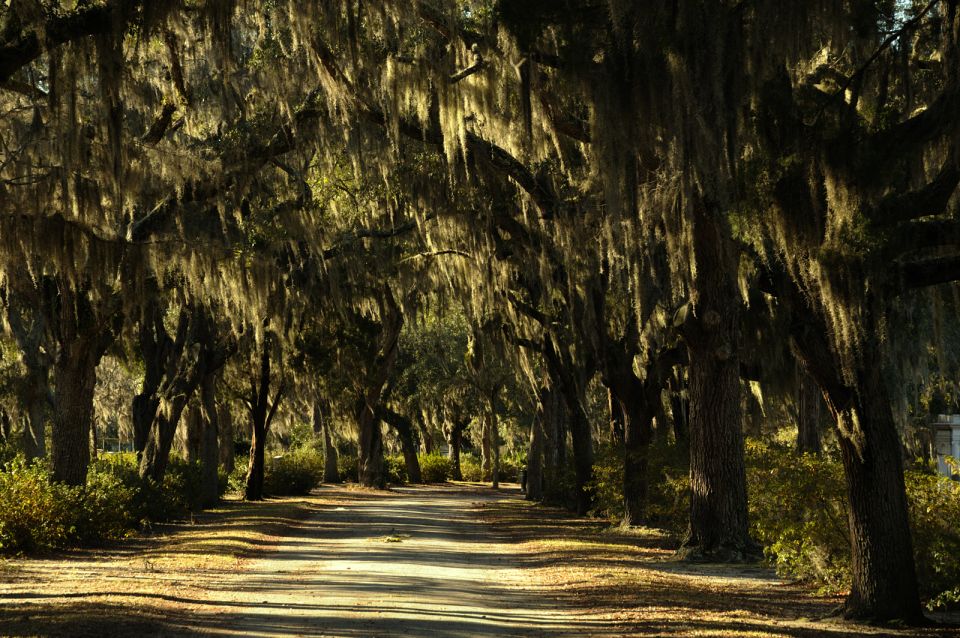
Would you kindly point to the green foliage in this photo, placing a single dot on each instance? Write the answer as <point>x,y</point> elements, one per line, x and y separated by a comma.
<point>934,516</point>
<point>510,466</point>
<point>348,467</point>
<point>295,473</point>
<point>669,485</point>
<point>435,468</point>
<point>396,469</point>
<point>798,512</point>
<point>175,498</point>
<point>36,514</point>
<point>470,468</point>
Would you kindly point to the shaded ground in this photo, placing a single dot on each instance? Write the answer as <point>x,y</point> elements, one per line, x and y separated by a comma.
<point>426,561</point>
<point>628,580</point>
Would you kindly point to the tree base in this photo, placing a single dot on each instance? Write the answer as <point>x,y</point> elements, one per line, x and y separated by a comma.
<point>731,553</point>
<point>865,615</point>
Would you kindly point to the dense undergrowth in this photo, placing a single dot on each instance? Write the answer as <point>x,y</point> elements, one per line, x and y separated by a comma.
<point>798,513</point>
<point>37,514</point>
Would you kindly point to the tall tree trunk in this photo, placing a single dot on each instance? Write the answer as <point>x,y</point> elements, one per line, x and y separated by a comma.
<point>562,371</point>
<point>371,468</point>
<point>37,405</point>
<point>404,429</point>
<point>253,490</point>
<point>616,419</point>
<point>209,442</point>
<point>225,439</point>
<point>718,529</point>
<point>636,449</point>
<point>262,412</point>
<point>493,432</point>
<point>74,377</point>
<point>426,439</point>
<point>485,460</point>
<point>321,425</point>
<point>808,421</point>
<point>5,425</point>
<point>884,582</point>
<point>555,443</point>
<point>535,457</point>
<point>192,432</point>
<point>156,454</point>
<point>454,435</point>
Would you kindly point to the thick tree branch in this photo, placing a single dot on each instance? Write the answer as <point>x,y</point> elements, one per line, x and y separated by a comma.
<point>60,29</point>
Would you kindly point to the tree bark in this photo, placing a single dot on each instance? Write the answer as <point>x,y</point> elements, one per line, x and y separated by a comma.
<point>225,439</point>
<point>192,432</point>
<point>494,442</point>
<point>454,435</point>
<point>562,370</point>
<point>884,582</point>
<point>321,422</point>
<point>74,376</point>
<point>37,405</point>
<point>404,429</point>
<point>371,468</point>
<point>616,419</point>
<point>535,457</point>
<point>718,529</point>
<point>209,442</point>
<point>808,422</point>
<point>262,410</point>
<point>84,333</point>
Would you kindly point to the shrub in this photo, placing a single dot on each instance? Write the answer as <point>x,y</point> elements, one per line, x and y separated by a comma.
<point>105,510</point>
<point>293,474</point>
<point>668,481</point>
<point>934,516</point>
<point>396,469</point>
<point>34,513</point>
<point>510,466</point>
<point>470,468</point>
<point>348,467</point>
<point>798,512</point>
<point>435,468</point>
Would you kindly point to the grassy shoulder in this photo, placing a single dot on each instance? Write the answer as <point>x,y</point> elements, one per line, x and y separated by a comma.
<point>626,577</point>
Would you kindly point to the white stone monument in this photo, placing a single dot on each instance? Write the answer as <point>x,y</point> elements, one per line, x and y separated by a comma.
<point>947,441</point>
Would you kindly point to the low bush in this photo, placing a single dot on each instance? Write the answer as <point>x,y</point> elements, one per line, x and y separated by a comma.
<point>348,467</point>
<point>669,486</point>
<point>510,467</point>
<point>435,468</point>
<point>37,514</point>
<point>293,474</point>
<point>798,511</point>
<point>470,468</point>
<point>396,469</point>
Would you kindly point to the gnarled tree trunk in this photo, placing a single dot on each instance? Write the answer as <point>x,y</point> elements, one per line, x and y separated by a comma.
<point>454,434</point>
<point>404,429</point>
<point>718,529</point>
<point>371,468</point>
<point>321,425</point>
<point>209,456</point>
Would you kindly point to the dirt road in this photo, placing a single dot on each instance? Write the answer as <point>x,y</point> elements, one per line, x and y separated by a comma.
<point>452,561</point>
<point>414,562</point>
